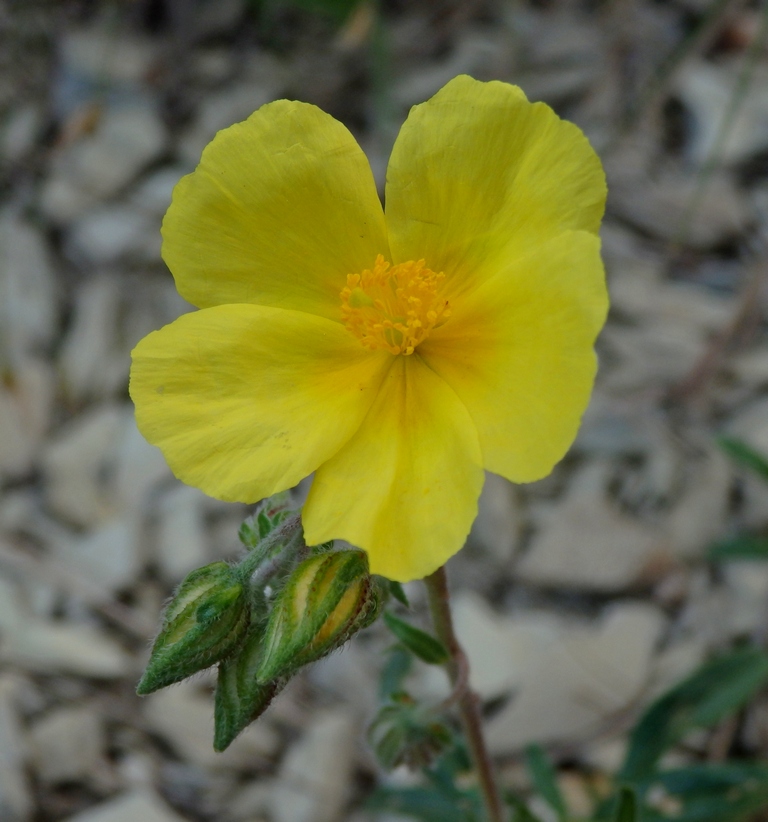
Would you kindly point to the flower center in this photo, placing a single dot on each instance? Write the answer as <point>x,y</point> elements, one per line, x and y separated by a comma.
<point>393,307</point>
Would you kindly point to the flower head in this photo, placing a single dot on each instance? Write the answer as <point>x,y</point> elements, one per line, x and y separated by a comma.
<point>394,352</point>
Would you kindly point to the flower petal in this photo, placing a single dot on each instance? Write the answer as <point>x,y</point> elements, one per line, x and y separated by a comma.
<point>519,354</point>
<point>246,400</point>
<point>405,487</point>
<point>478,176</point>
<point>281,208</point>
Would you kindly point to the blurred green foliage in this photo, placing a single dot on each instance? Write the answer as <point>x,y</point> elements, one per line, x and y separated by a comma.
<point>644,789</point>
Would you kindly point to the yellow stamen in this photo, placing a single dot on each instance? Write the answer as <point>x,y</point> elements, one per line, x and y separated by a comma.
<point>393,307</point>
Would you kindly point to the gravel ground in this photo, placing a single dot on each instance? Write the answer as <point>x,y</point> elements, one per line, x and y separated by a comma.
<point>581,595</point>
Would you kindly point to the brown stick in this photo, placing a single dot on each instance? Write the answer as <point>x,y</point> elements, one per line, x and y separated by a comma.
<point>468,702</point>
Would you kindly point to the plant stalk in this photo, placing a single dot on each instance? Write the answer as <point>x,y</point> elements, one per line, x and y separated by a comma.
<point>467,700</point>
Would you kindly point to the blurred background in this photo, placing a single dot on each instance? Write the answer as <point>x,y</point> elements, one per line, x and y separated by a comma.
<point>580,598</point>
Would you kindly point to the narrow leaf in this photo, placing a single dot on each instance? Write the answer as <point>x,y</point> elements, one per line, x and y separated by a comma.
<point>423,804</point>
<point>745,455</point>
<point>744,546</point>
<point>424,646</point>
<point>396,589</point>
<point>717,689</point>
<point>521,812</point>
<point>544,780</point>
<point>626,807</point>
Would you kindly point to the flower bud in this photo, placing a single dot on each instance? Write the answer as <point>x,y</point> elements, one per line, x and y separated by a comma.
<point>240,697</point>
<point>327,598</point>
<point>203,622</point>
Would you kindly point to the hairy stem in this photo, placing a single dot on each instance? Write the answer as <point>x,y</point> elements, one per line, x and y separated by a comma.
<point>467,700</point>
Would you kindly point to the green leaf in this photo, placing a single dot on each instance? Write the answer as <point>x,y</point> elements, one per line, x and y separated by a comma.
<point>522,814</point>
<point>717,689</point>
<point>544,780</point>
<point>745,455</point>
<point>423,804</point>
<point>626,807</point>
<point>744,546</point>
<point>405,732</point>
<point>424,646</point>
<point>722,792</point>
<point>721,777</point>
<point>396,589</point>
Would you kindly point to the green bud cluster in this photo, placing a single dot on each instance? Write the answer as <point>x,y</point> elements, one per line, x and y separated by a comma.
<point>283,606</point>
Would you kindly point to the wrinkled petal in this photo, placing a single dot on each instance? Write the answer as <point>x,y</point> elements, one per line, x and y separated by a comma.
<point>281,208</point>
<point>405,487</point>
<point>519,354</point>
<point>245,400</point>
<point>479,176</point>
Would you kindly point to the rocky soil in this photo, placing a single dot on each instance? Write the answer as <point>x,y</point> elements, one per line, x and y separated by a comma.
<point>578,597</point>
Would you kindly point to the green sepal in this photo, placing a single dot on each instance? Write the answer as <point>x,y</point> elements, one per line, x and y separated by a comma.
<point>206,618</point>
<point>397,591</point>
<point>240,697</point>
<point>269,514</point>
<point>423,645</point>
<point>326,598</point>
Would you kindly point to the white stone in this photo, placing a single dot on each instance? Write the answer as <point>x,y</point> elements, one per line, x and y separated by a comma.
<point>586,543</point>
<point>99,165</point>
<point>750,366</point>
<point>314,777</point>
<point>67,744</point>
<point>98,53</point>
<point>182,543</point>
<point>351,674</point>
<point>658,206</point>
<point>476,50</point>
<point>220,110</point>
<point>112,233</point>
<point>747,592</point>
<point>707,90</point>
<point>252,802</point>
<point>136,806</point>
<point>54,647</point>
<point>25,411</point>
<point>12,610</point>
<point>751,425</point>
<point>92,366</point>
<point>573,680</point>
<point>650,355</point>
<point>27,290</point>
<point>16,804</point>
<point>153,194</point>
<point>20,131</point>
<point>109,555</point>
<point>139,468</point>
<point>76,461</point>
<point>697,519</point>
<point>185,719</point>
<point>498,523</point>
<point>17,446</point>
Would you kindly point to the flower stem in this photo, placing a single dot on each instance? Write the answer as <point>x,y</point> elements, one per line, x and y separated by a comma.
<point>468,701</point>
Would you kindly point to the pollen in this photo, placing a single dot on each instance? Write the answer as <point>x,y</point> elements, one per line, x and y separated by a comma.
<point>394,307</point>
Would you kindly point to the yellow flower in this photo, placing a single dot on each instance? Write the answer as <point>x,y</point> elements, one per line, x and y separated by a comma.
<point>396,353</point>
